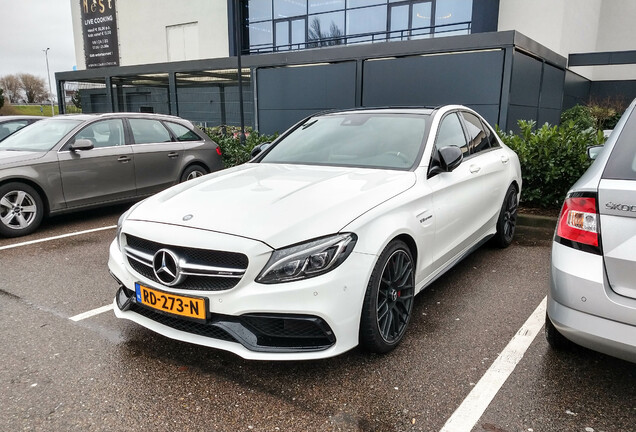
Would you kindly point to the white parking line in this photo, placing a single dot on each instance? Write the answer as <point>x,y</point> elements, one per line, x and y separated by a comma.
<point>92,313</point>
<point>473,407</point>
<point>11,246</point>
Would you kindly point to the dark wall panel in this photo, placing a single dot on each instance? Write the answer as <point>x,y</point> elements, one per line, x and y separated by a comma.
<point>526,80</point>
<point>213,105</point>
<point>463,78</point>
<point>288,94</point>
<point>517,112</point>
<point>485,16</point>
<point>549,115</point>
<point>536,91</point>
<point>94,101</point>
<point>552,87</point>
<point>624,91</point>
<point>576,90</point>
<point>282,117</point>
<point>488,112</point>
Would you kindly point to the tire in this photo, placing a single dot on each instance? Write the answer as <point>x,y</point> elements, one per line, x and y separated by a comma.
<point>507,221</point>
<point>21,209</point>
<point>388,301</point>
<point>192,172</point>
<point>555,339</point>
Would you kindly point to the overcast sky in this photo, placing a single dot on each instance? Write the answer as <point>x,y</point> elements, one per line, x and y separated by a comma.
<point>27,27</point>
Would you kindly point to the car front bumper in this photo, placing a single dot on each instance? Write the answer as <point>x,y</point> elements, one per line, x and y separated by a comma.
<point>583,307</point>
<point>307,319</point>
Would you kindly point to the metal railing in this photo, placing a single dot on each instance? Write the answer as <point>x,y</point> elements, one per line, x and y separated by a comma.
<point>372,37</point>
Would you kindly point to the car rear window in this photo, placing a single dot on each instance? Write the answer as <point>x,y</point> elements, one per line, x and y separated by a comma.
<point>182,133</point>
<point>622,162</point>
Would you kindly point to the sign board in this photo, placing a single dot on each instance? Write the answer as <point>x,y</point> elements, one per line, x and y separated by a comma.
<point>99,26</point>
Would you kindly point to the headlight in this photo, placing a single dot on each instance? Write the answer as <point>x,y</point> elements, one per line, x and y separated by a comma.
<point>308,259</point>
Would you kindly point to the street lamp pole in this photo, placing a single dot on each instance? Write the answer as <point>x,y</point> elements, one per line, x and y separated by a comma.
<point>48,76</point>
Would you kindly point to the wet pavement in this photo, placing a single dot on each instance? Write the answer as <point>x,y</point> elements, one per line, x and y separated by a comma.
<point>105,374</point>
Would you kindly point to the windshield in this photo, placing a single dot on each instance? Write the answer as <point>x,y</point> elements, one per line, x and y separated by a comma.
<point>40,136</point>
<point>369,140</point>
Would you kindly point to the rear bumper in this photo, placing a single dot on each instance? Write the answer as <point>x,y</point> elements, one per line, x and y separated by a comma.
<point>583,307</point>
<point>593,332</point>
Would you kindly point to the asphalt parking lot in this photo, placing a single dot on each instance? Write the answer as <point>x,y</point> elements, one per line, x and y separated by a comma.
<point>63,369</point>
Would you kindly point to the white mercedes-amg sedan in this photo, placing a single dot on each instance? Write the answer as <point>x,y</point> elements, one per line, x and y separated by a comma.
<point>321,242</point>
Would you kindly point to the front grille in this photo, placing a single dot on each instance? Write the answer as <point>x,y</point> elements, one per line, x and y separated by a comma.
<point>194,255</point>
<point>221,270</point>
<point>195,283</point>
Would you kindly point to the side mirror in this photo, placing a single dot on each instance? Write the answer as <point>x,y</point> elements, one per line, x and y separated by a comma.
<point>82,144</point>
<point>450,157</point>
<point>446,159</point>
<point>594,151</point>
<point>259,149</point>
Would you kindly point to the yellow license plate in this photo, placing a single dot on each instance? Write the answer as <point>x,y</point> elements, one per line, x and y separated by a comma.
<point>185,306</point>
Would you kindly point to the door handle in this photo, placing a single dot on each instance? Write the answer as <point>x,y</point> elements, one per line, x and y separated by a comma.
<point>173,155</point>
<point>504,159</point>
<point>474,169</point>
<point>123,159</point>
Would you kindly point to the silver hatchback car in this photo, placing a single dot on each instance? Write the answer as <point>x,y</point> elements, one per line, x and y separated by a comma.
<point>592,296</point>
<point>74,162</point>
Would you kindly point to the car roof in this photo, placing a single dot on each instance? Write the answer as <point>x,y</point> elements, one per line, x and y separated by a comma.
<point>4,119</point>
<point>424,110</point>
<point>85,117</point>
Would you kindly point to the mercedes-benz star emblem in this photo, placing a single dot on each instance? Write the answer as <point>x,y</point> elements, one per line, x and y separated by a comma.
<point>166,267</point>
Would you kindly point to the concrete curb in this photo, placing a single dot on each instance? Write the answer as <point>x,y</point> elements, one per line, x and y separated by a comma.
<point>536,221</point>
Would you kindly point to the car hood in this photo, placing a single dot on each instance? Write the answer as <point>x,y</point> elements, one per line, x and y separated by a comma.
<point>277,204</point>
<point>11,157</point>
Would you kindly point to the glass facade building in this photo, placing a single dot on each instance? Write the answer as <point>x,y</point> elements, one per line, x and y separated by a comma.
<point>283,25</point>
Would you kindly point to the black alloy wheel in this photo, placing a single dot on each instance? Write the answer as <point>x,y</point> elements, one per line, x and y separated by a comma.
<point>507,221</point>
<point>389,299</point>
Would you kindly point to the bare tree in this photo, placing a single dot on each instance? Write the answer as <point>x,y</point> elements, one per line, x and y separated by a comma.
<point>1,98</point>
<point>34,88</point>
<point>320,38</point>
<point>12,88</point>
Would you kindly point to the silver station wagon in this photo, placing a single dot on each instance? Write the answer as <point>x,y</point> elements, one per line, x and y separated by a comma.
<point>75,162</point>
<point>592,296</point>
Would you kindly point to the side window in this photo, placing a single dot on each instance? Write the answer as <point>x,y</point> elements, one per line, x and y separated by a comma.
<point>477,138</point>
<point>146,131</point>
<point>182,133</point>
<point>492,139</point>
<point>451,133</point>
<point>105,133</point>
<point>621,164</point>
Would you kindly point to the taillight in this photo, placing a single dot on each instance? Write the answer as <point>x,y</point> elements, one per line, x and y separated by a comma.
<point>578,225</point>
<point>218,151</point>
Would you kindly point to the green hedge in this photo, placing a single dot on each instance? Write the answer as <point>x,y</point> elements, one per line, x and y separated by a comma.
<point>552,158</point>
<point>228,138</point>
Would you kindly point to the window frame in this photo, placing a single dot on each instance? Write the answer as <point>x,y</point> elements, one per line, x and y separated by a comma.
<point>174,135</point>
<point>483,127</point>
<point>617,162</point>
<point>67,146</point>
<point>132,134</point>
